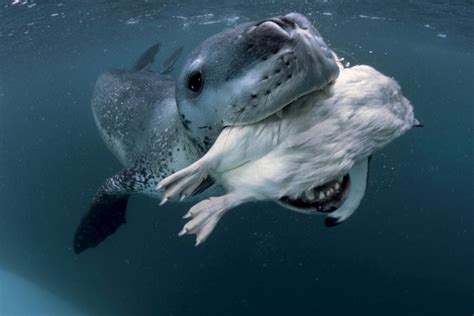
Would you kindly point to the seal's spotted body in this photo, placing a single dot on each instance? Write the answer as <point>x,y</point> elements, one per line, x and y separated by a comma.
<point>136,114</point>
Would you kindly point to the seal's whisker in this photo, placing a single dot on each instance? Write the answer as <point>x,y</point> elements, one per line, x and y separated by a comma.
<point>345,54</point>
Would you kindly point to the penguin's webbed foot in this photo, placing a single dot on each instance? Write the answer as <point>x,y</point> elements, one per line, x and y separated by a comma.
<point>204,217</point>
<point>184,182</point>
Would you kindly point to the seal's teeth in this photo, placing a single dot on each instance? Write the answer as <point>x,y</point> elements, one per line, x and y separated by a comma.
<point>321,195</point>
<point>310,195</point>
<point>337,186</point>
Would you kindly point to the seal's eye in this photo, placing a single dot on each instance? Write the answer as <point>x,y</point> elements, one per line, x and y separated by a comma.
<point>195,82</point>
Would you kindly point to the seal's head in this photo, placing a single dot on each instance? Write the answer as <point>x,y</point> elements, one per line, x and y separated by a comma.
<point>247,73</point>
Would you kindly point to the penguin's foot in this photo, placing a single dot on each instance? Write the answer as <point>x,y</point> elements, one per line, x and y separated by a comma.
<point>204,216</point>
<point>184,182</point>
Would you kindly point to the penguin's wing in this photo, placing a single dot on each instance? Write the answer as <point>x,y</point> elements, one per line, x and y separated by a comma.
<point>359,175</point>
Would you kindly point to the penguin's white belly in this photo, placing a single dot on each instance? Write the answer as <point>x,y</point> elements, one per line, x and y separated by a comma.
<point>312,156</point>
<point>319,138</point>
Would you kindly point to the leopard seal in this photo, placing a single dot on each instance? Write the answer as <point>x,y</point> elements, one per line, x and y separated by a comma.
<point>155,125</point>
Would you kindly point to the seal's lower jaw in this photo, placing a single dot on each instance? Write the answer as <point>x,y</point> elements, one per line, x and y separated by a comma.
<point>325,198</point>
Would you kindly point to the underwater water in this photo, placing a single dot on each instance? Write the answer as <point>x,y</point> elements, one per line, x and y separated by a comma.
<point>408,250</point>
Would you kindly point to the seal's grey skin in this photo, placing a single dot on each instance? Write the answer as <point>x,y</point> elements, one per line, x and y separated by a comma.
<point>147,57</point>
<point>169,62</point>
<point>135,112</point>
<point>258,67</point>
<point>251,71</point>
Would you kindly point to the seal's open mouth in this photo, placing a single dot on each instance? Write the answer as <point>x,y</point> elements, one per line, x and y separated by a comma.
<point>325,198</point>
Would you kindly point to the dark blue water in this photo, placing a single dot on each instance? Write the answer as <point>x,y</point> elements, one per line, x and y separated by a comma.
<point>408,250</point>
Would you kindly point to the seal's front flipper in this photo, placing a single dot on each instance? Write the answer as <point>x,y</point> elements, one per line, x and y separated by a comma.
<point>146,58</point>
<point>169,63</point>
<point>107,211</point>
<point>358,177</point>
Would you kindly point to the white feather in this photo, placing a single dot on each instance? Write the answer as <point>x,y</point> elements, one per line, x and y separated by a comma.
<point>319,137</point>
<point>316,139</point>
